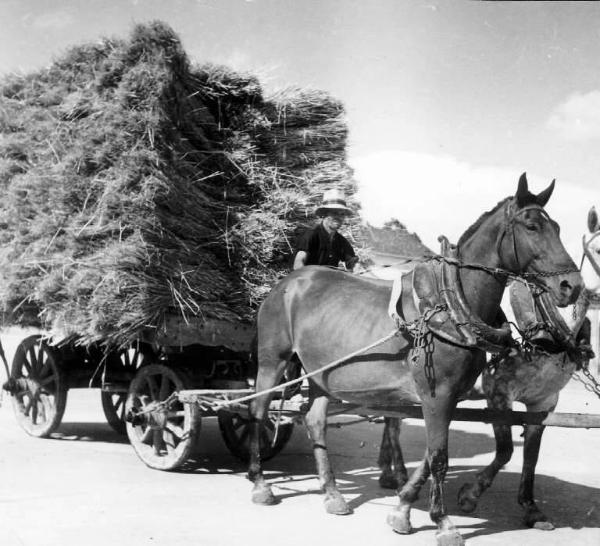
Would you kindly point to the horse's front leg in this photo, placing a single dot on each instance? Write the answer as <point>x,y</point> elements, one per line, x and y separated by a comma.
<point>316,423</point>
<point>393,472</point>
<point>469,493</point>
<point>437,414</point>
<point>399,518</point>
<point>533,516</point>
<point>498,398</point>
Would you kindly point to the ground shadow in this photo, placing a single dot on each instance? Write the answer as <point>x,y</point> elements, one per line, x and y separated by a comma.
<point>88,432</point>
<point>354,458</point>
<point>354,452</point>
<point>566,504</point>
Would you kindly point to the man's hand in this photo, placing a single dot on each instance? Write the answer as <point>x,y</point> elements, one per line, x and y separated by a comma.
<point>300,259</point>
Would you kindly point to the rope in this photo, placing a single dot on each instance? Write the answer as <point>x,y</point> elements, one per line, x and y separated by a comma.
<point>528,278</point>
<point>333,364</point>
<point>218,404</point>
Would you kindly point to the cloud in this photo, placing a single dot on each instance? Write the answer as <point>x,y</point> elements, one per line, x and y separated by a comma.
<point>578,118</point>
<point>434,195</point>
<point>56,20</point>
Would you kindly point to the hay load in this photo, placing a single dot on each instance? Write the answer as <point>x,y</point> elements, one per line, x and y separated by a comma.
<point>136,185</point>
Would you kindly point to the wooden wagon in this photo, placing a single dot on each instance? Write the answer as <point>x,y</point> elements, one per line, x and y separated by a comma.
<point>213,355</point>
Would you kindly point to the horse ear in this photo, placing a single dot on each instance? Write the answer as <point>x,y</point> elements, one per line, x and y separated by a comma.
<point>593,220</point>
<point>543,197</point>
<point>522,190</point>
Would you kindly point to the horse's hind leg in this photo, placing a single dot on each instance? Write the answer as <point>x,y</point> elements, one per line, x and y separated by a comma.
<point>267,377</point>
<point>393,472</point>
<point>316,423</point>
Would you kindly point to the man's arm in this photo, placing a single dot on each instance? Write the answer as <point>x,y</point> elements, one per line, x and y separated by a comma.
<point>300,259</point>
<point>350,259</point>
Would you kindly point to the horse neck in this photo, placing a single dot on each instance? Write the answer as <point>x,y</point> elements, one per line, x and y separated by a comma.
<point>483,291</point>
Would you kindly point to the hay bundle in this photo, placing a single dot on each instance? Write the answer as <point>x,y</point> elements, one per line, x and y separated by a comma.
<point>135,185</point>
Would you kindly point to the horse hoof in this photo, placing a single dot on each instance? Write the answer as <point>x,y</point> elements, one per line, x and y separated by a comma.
<point>537,520</point>
<point>388,481</point>
<point>467,501</point>
<point>263,496</point>
<point>399,522</point>
<point>337,506</point>
<point>543,526</point>
<point>449,538</point>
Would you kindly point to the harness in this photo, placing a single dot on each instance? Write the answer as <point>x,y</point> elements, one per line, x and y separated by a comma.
<point>433,291</point>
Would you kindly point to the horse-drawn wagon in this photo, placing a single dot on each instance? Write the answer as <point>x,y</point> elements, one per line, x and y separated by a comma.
<point>183,355</point>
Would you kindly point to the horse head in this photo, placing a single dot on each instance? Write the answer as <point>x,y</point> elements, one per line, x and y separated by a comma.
<point>590,266</point>
<point>531,245</point>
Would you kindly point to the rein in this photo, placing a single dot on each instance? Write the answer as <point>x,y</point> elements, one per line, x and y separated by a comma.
<point>522,276</point>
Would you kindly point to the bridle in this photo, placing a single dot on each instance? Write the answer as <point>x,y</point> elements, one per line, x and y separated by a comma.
<point>510,220</point>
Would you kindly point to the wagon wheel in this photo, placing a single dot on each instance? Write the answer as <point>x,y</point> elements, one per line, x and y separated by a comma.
<point>162,437</point>
<point>235,428</point>
<point>127,361</point>
<point>41,396</point>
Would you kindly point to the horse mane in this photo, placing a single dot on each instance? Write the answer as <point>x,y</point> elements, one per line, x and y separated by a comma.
<point>475,226</point>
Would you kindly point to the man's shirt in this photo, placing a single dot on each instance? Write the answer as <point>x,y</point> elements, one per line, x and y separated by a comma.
<point>323,249</point>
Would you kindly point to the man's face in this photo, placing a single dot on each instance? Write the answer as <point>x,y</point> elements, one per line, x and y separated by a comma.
<point>333,220</point>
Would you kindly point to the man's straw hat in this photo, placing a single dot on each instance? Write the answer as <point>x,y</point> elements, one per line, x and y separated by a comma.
<point>333,200</point>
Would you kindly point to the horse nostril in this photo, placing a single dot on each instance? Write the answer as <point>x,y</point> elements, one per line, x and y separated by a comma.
<point>566,285</point>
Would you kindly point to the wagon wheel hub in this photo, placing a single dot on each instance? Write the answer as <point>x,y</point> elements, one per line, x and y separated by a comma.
<point>153,415</point>
<point>22,385</point>
<point>157,416</point>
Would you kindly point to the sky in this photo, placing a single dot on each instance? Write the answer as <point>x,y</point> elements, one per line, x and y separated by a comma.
<point>447,101</point>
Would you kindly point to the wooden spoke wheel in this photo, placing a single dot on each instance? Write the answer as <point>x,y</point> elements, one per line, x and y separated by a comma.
<point>40,399</point>
<point>235,429</point>
<point>123,363</point>
<point>163,437</point>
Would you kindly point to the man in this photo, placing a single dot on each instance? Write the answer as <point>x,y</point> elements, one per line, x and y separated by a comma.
<point>323,245</point>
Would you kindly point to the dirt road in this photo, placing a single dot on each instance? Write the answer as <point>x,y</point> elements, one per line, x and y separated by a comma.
<point>85,486</point>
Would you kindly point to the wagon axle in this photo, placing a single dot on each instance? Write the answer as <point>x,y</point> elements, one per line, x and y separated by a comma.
<point>154,415</point>
<point>21,385</point>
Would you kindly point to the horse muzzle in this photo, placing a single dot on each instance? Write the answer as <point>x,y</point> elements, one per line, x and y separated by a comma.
<point>566,289</point>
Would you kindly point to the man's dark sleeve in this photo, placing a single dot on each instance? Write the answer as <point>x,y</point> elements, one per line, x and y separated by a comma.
<point>307,242</point>
<point>348,255</point>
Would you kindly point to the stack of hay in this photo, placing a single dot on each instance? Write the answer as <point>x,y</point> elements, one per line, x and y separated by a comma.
<point>135,185</point>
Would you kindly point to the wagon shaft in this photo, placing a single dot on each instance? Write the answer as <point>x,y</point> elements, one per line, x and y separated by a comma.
<point>213,400</point>
<point>509,417</point>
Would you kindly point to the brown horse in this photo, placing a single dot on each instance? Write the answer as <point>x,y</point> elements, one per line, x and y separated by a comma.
<point>536,382</point>
<point>320,315</point>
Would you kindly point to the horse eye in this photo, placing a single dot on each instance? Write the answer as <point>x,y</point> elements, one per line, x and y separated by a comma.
<point>531,227</point>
